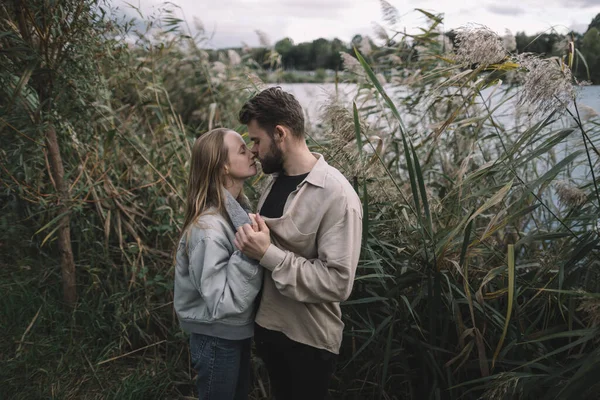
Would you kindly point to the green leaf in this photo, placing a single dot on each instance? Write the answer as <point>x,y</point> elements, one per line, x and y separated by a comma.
<point>365,227</point>
<point>381,326</point>
<point>364,300</point>
<point>357,128</point>
<point>546,146</point>
<point>386,359</point>
<point>534,237</point>
<point>492,201</point>
<point>511,296</point>
<point>550,174</point>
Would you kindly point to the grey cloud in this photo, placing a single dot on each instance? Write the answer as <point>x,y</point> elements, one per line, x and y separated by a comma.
<point>309,10</point>
<point>224,40</point>
<point>577,27</point>
<point>235,21</point>
<point>505,10</point>
<point>567,4</point>
<point>312,8</point>
<point>227,34</point>
<point>581,3</point>
<point>258,10</point>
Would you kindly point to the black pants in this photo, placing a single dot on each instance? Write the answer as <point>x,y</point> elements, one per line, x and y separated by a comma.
<point>296,371</point>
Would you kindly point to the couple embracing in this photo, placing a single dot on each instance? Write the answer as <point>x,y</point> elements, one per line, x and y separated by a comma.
<point>277,275</point>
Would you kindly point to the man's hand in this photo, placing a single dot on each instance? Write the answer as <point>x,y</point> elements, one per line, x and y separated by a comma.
<point>253,243</point>
<point>254,222</point>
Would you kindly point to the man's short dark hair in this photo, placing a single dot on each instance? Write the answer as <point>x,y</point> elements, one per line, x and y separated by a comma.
<point>273,107</point>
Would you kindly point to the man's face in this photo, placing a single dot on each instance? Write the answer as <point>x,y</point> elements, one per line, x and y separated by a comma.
<point>265,149</point>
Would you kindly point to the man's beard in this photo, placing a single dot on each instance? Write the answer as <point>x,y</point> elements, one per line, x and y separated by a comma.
<point>273,161</point>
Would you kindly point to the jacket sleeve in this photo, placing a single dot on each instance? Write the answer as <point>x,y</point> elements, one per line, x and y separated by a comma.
<point>227,283</point>
<point>328,278</point>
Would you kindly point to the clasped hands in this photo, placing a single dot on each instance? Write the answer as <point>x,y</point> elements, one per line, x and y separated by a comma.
<point>253,240</point>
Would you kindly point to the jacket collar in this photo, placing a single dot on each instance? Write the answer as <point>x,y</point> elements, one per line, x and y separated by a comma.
<point>237,214</point>
<point>317,174</point>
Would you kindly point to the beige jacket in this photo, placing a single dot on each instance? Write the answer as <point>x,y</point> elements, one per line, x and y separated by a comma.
<point>311,263</point>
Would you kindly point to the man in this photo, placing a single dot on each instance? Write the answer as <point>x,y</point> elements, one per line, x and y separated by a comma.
<point>307,236</point>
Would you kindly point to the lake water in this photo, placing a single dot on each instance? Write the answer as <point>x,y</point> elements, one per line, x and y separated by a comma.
<point>313,96</point>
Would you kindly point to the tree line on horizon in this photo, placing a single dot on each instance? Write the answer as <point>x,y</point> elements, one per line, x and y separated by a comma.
<point>324,54</point>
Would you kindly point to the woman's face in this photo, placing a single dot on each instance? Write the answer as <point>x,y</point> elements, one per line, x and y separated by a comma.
<point>240,164</point>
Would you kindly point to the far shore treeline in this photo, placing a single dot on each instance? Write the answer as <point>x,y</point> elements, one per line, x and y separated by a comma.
<point>311,61</point>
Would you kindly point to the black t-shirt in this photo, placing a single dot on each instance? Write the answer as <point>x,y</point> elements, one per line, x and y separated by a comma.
<point>281,189</point>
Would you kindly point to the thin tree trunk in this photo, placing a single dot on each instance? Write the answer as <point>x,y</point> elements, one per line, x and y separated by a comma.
<point>43,82</point>
<point>64,230</point>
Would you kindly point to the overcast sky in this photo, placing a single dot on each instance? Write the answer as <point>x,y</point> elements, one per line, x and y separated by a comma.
<point>232,22</point>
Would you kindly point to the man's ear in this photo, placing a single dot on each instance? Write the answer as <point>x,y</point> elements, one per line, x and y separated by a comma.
<point>281,132</point>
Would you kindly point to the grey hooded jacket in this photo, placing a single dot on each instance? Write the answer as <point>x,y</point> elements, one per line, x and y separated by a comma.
<point>215,284</point>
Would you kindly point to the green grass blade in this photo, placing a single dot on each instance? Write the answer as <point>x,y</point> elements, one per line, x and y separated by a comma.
<point>365,227</point>
<point>386,359</point>
<point>357,128</point>
<point>492,201</point>
<point>511,296</point>
<point>424,199</point>
<point>552,172</point>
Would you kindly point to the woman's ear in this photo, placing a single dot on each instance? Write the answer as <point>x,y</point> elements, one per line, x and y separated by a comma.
<point>226,177</point>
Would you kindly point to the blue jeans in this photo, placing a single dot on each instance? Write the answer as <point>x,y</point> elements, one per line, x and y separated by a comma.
<point>223,367</point>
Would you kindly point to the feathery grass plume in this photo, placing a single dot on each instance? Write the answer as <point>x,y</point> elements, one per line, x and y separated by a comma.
<point>504,386</point>
<point>234,57</point>
<point>365,46</point>
<point>479,45</point>
<point>515,77</point>
<point>256,81</point>
<point>381,77</point>
<point>199,25</point>
<point>380,32</point>
<point>591,306</point>
<point>395,60</point>
<point>562,46</point>
<point>219,67</point>
<point>341,143</point>
<point>587,112</point>
<point>203,56</point>
<point>246,49</point>
<point>263,38</point>
<point>548,84</point>
<point>390,13</point>
<point>342,139</point>
<point>248,82</point>
<point>509,41</point>
<point>351,64</point>
<point>342,124</point>
<point>570,195</point>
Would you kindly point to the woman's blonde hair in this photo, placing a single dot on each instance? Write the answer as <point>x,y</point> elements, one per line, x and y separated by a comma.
<point>207,179</point>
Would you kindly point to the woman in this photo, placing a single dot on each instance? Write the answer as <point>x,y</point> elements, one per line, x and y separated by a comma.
<point>215,284</point>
